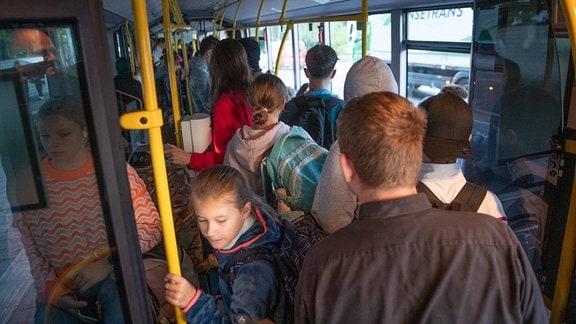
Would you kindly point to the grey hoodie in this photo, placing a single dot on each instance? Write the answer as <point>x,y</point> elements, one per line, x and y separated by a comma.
<point>248,147</point>
<point>334,204</point>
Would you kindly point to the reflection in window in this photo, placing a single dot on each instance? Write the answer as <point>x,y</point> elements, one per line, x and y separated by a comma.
<point>517,109</point>
<point>64,243</point>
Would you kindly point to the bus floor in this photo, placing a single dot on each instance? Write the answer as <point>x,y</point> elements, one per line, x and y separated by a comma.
<point>17,292</point>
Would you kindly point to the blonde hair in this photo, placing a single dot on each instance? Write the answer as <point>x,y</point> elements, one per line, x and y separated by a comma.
<point>266,95</point>
<point>382,133</point>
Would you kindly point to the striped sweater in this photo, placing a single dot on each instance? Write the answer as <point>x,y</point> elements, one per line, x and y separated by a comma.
<point>72,227</point>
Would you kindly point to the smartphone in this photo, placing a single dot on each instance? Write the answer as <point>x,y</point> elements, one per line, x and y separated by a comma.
<point>36,69</point>
<point>89,314</point>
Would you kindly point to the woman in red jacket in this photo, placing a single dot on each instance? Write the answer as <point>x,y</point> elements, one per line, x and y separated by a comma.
<point>230,75</point>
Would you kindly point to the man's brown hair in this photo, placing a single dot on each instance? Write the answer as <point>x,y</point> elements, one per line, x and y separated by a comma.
<point>381,133</point>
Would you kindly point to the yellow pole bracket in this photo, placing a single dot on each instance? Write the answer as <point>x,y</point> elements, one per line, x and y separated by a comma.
<point>142,119</point>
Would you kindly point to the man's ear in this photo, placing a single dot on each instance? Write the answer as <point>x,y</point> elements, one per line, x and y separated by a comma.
<point>347,168</point>
<point>333,74</point>
<point>307,73</point>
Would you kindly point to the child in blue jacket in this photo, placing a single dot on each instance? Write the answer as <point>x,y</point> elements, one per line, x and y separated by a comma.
<point>232,219</point>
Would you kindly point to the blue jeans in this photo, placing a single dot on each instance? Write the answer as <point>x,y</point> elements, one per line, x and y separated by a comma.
<point>105,292</point>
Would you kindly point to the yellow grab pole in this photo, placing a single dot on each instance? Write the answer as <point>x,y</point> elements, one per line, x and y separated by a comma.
<point>235,18</point>
<point>151,119</point>
<point>187,69</point>
<point>258,20</point>
<point>364,27</point>
<point>283,13</point>
<point>286,32</point>
<point>568,253</point>
<point>174,94</point>
<point>130,47</point>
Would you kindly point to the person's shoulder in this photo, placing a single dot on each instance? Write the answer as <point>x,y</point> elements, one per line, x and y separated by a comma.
<point>293,102</point>
<point>474,226</point>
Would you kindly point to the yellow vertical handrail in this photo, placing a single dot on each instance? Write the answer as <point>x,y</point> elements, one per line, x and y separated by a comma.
<point>187,68</point>
<point>151,119</point>
<point>281,49</point>
<point>130,47</point>
<point>258,19</point>
<point>235,18</point>
<point>171,71</point>
<point>364,27</point>
<point>568,253</point>
<point>283,13</point>
<point>221,19</point>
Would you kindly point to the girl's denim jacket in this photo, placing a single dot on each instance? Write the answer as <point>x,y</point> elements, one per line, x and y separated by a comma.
<point>258,292</point>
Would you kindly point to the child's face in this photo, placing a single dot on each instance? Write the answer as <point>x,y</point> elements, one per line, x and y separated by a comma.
<point>61,138</point>
<point>219,220</point>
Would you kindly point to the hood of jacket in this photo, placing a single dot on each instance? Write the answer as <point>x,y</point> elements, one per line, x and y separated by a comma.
<point>369,74</point>
<point>249,146</point>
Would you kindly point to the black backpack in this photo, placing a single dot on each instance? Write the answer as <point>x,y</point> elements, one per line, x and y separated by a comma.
<point>469,198</point>
<point>315,117</point>
<point>297,237</point>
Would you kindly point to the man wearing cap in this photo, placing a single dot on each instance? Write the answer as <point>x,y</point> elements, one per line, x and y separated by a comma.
<point>447,139</point>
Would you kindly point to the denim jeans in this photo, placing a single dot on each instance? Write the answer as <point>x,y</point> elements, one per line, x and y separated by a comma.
<point>105,292</point>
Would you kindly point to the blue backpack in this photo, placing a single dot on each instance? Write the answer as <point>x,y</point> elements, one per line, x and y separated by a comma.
<point>294,163</point>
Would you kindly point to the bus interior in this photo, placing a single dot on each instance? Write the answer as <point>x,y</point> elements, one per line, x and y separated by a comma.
<point>513,58</point>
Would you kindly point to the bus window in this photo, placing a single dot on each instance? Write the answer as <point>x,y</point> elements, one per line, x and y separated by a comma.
<point>429,71</point>
<point>516,98</point>
<point>429,65</point>
<point>63,244</point>
<point>440,25</point>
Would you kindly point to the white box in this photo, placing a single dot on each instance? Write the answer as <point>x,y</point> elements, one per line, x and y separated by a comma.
<point>196,132</point>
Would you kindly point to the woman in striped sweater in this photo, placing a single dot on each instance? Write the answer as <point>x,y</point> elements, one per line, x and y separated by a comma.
<point>71,230</point>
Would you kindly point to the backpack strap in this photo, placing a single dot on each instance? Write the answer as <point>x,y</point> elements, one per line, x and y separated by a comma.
<point>470,197</point>
<point>434,200</point>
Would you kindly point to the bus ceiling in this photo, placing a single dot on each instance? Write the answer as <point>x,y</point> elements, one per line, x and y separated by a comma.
<point>118,11</point>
